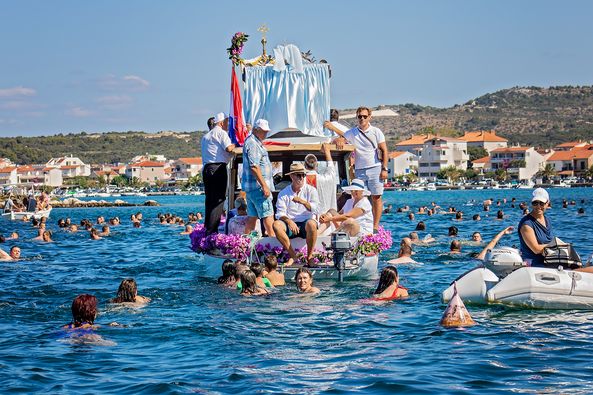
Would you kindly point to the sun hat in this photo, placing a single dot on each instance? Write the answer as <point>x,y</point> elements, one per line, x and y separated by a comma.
<point>296,168</point>
<point>357,185</point>
<point>310,161</point>
<point>540,195</point>
<point>262,124</point>
<point>219,117</point>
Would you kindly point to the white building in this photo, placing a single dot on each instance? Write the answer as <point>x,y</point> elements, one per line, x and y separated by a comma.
<point>71,166</point>
<point>414,144</point>
<point>185,168</point>
<point>8,176</point>
<point>35,175</point>
<point>147,171</point>
<point>401,163</point>
<point>148,158</point>
<point>521,163</point>
<point>439,153</point>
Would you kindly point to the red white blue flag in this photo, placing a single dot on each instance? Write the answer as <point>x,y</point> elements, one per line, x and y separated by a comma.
<point>237,129</point>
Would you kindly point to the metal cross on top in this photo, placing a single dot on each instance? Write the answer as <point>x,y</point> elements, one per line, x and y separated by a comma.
<point>263,29</point>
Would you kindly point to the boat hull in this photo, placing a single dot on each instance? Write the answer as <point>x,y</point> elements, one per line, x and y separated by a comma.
<point>18,216</point>
<point>530,287</point>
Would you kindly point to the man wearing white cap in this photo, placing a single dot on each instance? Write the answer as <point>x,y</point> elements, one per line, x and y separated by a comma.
<point>256,179</point>
<point>535,229</point>
<point>296,210</point>
<point>216,154</point>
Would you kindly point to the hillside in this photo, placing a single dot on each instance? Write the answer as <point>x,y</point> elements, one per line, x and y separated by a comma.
<point>531,116</point>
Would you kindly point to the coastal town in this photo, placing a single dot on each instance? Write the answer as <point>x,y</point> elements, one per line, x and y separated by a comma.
<point>423,161</point>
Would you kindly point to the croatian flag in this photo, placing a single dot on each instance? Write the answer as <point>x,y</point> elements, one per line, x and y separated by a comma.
<point>237,129</point>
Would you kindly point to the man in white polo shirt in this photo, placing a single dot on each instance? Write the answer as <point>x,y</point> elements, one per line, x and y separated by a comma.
<point>216,153</point>
<point>367,141</point>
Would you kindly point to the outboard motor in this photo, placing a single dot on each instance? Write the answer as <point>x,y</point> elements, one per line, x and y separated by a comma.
<point>503,260</point>
<point>340,244</point>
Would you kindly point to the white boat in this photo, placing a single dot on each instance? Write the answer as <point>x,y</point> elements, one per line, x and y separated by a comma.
<point>19,215</point>
<point>505,279</point>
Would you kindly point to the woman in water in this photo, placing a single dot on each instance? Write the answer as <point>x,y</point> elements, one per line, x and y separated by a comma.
<point>249,285</point>
<point>304,281</point>
<point>84,312</point>
<point>389,288</point>
<point>228,274</point>
<point>128,293</point>
<point>356,217</point>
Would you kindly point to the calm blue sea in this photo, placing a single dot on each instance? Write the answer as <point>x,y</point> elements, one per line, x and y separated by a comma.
<point>195,337</point>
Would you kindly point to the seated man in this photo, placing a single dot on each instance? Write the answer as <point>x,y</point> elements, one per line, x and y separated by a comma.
<point>296,210</point>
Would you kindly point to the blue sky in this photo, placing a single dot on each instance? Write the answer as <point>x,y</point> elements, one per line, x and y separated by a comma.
<point>71,66</point>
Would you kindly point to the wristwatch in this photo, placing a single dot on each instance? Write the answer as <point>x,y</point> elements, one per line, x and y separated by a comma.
<point>384,169</point>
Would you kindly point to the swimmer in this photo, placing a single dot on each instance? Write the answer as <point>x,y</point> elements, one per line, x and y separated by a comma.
<point>476,217</point>
<point>416,240</point>
<point>411,216</point>
<point>459,215</point>
<point>477,237</point>
<point>499,215</point>
<point>506,231</point>
<point>105,231</point>
<point>128,293</point>
<point>421,226</point>
<point>249,285</point>
<point>13,236</point>
<point>405,253</point>
<point>304,281</point>
<point>14,255</point>
<point>455,247</point>
<point>95,234</point>
<point>229,271</point>
<point>187,231</point>
<point>453,231</point>
<point>73,228</point>
<point>46,237</point>
<point>84,312</point>
<point>388,287</point>
<point>272,274</point>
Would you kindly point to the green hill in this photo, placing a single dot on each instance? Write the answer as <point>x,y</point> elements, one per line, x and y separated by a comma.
<point>530,116</point>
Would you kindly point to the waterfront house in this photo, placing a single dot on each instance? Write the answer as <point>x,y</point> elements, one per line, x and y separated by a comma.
<point>186,168</point>
<point>574,162</point>
<point>441,152</point>
<point>71,166</point>
<point>401,163</point>
<point>521,163</point>
<point>414,144</point>
<point>148,171</point>
<point>8,176</point>
<point>486,139</point>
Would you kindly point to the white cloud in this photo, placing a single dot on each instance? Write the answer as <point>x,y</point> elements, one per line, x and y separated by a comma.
<point>17,91</point>
<point>17,105</point>
<point>126,83</point>
<point>115,102</point>
<point>79,112</point>
<point>137,80</point>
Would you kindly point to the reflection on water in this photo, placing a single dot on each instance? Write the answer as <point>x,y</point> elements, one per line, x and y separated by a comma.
<point>196,337</point>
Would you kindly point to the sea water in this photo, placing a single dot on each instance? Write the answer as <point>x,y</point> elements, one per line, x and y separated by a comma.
<point>198,337</point>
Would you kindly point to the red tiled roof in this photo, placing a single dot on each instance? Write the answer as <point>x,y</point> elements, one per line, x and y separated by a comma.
<point>417,139</point>
<point>7,169</point>
<point>148,163</point>
<point>511,149</point>
<point>395,154</point>
<point>25,169</point>
<point>570,155</point>
<point>191,161</point>
<point>483,135</point>
<point>482,160</point>
<point>68,167</point>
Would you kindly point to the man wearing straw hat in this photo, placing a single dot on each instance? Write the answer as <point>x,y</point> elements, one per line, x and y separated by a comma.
<point>296,210</point>
<point>216,153</point>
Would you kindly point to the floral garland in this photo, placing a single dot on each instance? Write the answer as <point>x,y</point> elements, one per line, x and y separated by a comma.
<point>237,246</point>
<point>236,48</point>
<point>375,243</point>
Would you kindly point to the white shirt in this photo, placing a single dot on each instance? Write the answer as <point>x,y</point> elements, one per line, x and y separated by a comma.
<point>285,207</point>
<point>214,145</point>
<point>366,154</point>
<point>366,219</point>
<point>325,183</point>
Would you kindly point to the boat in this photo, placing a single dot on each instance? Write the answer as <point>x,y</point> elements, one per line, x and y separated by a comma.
<point>356,265</point>
<point>19,215</point>
<point>505,279</point>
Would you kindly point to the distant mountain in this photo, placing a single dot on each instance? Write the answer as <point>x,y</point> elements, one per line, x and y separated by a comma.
<point>531,116</point>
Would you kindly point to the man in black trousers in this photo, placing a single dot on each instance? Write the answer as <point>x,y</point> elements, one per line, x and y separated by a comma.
<point>216,149</point>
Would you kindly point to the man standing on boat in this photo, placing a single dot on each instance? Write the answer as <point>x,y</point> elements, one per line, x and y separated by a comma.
<point>296,209</point>
<point>256,179</point>
<point>216,153</point>
<point>372,158</point>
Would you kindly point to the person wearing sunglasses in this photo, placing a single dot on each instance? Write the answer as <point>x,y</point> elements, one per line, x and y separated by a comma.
<point>296,210</point>
<point>372,158</point>
<point>535,229</point>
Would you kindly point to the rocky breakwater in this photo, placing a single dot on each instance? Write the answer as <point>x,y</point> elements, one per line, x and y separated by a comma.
<point>76,203</point>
